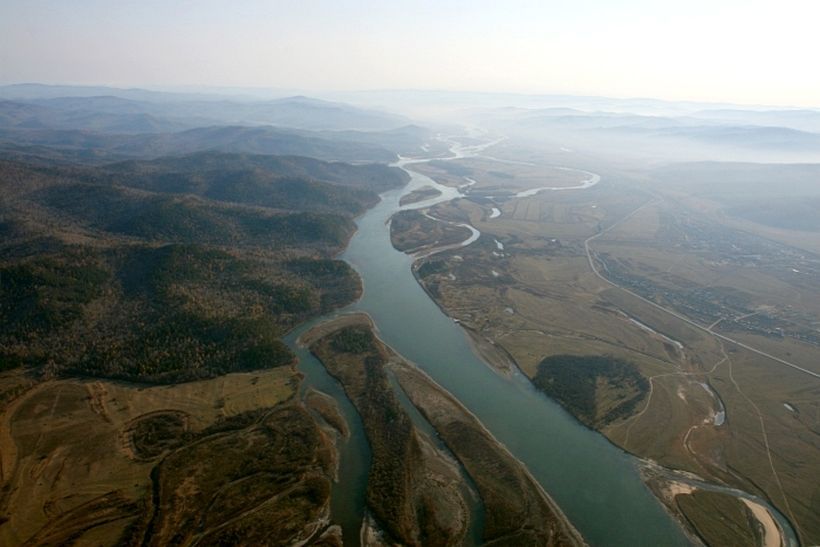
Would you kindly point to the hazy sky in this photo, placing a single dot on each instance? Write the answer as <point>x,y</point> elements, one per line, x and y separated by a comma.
<point>725,50</point>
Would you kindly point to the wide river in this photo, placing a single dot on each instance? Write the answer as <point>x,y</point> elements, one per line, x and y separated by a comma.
<point>596,484</point>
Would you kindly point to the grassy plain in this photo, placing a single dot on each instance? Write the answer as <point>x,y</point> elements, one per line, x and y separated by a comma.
<point>493,177</point>
<point>421,194</point>
<point>719,519</point>
<point>102,462</point>
<point>411,231</point>
<point>527,287</point>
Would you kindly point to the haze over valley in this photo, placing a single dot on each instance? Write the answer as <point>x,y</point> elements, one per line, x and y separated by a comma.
<point>285,292</point>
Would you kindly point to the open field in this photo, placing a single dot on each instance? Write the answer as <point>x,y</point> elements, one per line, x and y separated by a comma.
<point>412,231</point>
<point>701,403</point>
<point>729,281</point>
<point>715,518</point>
<point>775,201</point>
<point>106,462</point>
<point>421,194</point>
<point>493,178</point>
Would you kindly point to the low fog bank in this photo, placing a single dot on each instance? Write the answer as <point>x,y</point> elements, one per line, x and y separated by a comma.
<point>641,130</point>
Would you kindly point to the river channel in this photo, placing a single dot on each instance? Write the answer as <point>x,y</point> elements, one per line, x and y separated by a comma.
<point>597,485</point>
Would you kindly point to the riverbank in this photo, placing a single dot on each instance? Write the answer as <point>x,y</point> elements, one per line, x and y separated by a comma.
<point>414,232</point>
<point>541,301</point>
<point>772,535</point>
<point>420,194</point>
<point>492,354</point>
<point>596,485</point>
<point>414,490</point>
<point>711,515</point>
<point>517,508</point>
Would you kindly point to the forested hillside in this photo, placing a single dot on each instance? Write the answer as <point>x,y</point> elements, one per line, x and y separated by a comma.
<point>173,269</point>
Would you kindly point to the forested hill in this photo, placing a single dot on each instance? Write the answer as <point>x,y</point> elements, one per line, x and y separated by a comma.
<point>286,183</point>
<point>92,146</point>
<point>173,269</point>
<point>376,177</point>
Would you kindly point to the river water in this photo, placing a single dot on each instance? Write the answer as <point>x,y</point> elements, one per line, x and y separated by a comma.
<point>596,484</point>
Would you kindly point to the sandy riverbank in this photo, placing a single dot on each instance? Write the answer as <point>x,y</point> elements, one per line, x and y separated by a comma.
<point>772,536</point>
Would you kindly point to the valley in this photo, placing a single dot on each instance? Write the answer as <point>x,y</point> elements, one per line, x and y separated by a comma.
<point>349,329</point>
<point>143,305</point>
<point>547,281</point>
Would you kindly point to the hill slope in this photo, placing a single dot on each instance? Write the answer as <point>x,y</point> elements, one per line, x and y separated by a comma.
<point>176,269</point>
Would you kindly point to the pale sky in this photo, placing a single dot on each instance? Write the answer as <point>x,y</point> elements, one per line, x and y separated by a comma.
<point>764,52</point>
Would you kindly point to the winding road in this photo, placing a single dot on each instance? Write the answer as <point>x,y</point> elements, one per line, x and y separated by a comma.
<point>673,313</point>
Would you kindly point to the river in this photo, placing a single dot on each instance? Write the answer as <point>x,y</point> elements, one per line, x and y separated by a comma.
<point>597,485</point>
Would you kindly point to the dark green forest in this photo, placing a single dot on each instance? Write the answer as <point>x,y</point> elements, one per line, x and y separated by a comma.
<point>572,380</point>
<point>173,269</point>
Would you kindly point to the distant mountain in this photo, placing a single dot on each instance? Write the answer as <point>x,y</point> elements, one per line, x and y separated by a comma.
<point>578,119</point>
<point>71,145</point>
<point>406,140</point>
<point>726,135</point>
<point>278,183</point>
<point>803,120</point>
<point>18,115</point>
<point>314,114</point>
<point>752,137</point>
<point>443,102</point>
<point>256,180</point>
<point>255,140</point>
<point>48,124</point>
<point>192,110</point>
<point>30,91</point>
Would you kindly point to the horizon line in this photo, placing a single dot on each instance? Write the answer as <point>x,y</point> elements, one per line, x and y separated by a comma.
<point>177,88</point>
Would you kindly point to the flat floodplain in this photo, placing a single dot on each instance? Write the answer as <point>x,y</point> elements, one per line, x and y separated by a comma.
<point>82,445</point>
<point>710,406</point>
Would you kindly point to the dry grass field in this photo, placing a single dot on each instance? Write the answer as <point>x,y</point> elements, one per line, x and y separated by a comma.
<point>82,460</point>
<point>713,408</point>
<point>492,176</point>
